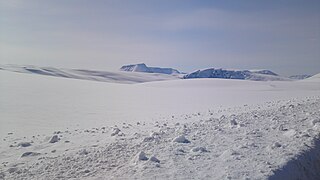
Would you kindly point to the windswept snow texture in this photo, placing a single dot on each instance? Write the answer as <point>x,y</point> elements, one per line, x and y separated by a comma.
<point>104,76</point>
<point>256,75</point>
<point>235,129</point>
<point>144,68</point>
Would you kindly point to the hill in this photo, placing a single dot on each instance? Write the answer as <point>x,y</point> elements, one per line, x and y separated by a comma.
<point>256,75</point>
<point>144,68</point>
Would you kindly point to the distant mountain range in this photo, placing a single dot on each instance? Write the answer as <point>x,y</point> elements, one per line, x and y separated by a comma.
<point>143,73</point>
<point>256,75</point>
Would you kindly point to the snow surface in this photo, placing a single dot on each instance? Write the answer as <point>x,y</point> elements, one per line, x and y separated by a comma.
<point>237,129</point>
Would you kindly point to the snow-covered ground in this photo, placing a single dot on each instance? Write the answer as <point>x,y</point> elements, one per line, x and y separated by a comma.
<point>235,129</point>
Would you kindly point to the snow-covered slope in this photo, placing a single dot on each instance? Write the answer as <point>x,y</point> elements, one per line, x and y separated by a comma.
<point>144,68</point>
<point>256,75</point>
<point>105,76</point>
<point>315,78</point>
<point>237,129</point>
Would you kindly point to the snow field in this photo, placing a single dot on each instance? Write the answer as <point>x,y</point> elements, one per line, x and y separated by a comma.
<point>252,145</point>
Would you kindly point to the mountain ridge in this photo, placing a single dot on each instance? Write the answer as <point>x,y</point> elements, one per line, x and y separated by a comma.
<point>141,67</point>
<point>255,75</point>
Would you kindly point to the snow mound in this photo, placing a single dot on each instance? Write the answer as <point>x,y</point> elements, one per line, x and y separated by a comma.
<point>144,68</point>
<point>256,75</point>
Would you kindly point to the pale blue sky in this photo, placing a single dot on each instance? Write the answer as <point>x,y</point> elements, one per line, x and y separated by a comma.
<point>283,36</point>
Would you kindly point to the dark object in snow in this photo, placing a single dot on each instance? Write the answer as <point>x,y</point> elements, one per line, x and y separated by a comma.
<point>30,154</point>
<point>54,139</point>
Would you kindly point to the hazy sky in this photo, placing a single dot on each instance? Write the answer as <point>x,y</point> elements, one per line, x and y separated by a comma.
<point>283,36</point>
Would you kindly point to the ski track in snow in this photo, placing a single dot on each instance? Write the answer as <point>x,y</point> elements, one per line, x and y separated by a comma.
<point>252,143</point>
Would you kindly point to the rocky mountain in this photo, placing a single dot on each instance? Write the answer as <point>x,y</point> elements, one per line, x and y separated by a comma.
<point>256,75</point>
<point>144,68</point>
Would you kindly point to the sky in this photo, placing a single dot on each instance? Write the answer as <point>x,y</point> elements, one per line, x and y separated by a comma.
<point>280,35</point>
